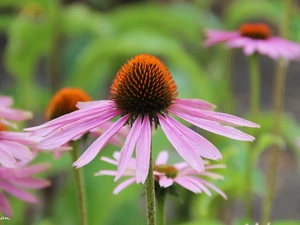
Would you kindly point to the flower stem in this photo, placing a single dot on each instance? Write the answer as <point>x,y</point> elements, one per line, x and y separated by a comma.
<point>161,208</point>
<point>79,181</point>
<point>277,111</point>
<point>150,193</point>
<point>255,102</point>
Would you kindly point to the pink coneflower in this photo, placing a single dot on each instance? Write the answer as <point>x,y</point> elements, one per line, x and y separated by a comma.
<point>255,38</point>
<point>13,180</point>
<point>144,94</point>
<point>166,175</point>
<point>8,114</point>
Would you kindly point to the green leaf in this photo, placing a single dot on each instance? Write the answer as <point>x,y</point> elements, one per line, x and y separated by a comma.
<point>206,222</point>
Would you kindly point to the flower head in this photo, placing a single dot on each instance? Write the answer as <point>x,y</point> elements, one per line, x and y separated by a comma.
<point>145,85</point>
<point>255,38</point>
<point>167,175</point>
<point>13,180</point>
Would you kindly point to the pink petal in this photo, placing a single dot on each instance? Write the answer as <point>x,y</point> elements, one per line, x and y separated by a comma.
<point>143,146</point>
<point>212,175</point>
<point>95,148</point>
<point>106,172</point>
<point>219,166</point>
<point>5,206</point>
<point>198,183</point>
<point>14,114</point>
<point>92,104</point>
<point>108,160</point>
<point>68,132</point>
<point>6,159</point>
<point>214,188</point>
<point>20,137</point>
<point>17,150</point>
<point>31,170</point>
<point>123,185</point>
<point>195,103</point>
<point>18,193</point>
<point>29,182</point>
<point>165,181</point>
<point>215,127</point>
<point>181,165</point>
<point>162,158</point>
<point>219,36</point>
<point>6,101</point>
<point>128,148</point>
<point>187,184</point>
<point>181,144</point>
<point>207,149</point>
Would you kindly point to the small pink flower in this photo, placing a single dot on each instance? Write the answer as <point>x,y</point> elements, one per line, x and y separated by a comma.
<point>255,38</point>
<point>13,180</point>
<point>166,175</point>
<point>8,114</point>
<point>144,95</point>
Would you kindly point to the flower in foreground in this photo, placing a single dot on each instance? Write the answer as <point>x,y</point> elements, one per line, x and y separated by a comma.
<point>166,175</point>
<point>255,38</point>
<point>13,180</point>
<point>144,95</point>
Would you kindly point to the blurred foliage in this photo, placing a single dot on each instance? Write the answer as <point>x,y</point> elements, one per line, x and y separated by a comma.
<point>51,45</point>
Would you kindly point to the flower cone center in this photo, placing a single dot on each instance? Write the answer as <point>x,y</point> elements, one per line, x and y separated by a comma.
<point>169,171</point>
<point>255,31</point>
<point>64,102</point>
<point>3,127</point>
<point>143,86</point>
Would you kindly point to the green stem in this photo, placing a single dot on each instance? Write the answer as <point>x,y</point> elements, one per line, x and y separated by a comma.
<point>255,103</point>
<point>277,110</point>
<point>79,181</point>
<point>150,193</point>
<point>161,208</point>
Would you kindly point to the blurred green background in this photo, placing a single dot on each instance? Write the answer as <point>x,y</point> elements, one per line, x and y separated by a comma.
<point>50,44</point>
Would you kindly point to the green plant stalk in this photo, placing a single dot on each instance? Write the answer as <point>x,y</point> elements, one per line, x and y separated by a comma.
<point>79,182</point>
<point>150,193</point>
<point>161,208</point>
<point>277,111</point>
<point>255,103</point>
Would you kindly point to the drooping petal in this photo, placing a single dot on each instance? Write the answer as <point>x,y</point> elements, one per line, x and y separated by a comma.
<point>195,103</point>
<point>6,159</point>
<point>143,146</point>
<point>31,170</point>
<point>29,182</point>
<point>95,148</point>
<point>202,146</point>
<point>213,188</point>
<point>181,144</point>
<point>162,158</point>
<point>18,193</point>
<point>5,206</point>
<point>215,127</point>
<point>106,172</point>
<point>15,114</point>
<point>6,101</point>
<point>108,160</point>
<point>20,137</point>
<point>123,185</point>
<point>187,184</point>
<point>17,150</point>
<point>93,104</point>
<point>165,181</point>
<point>128,147</point>
<point>198,183</point>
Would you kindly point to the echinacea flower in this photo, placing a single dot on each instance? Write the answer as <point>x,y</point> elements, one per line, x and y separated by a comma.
<point>13,180</point>
<point>144,94</point>
<point>167,175</point>
<point>255,38</point>
<point>8,114</point>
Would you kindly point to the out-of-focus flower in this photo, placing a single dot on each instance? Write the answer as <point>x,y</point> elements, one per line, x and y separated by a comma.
<point>254,38</point>
<point>166,175</point>
<point>13,180</point>
<point>8,114</point>
<point>143,93</point>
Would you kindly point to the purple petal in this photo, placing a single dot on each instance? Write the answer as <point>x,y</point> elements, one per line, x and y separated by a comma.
<point>162,158</point>
<point>18,193</point>
<point>108,160</point>
<point>6,101</point>
<point>181,144</point>
<point>14,114</point>
<point>123,185</point>
<point>197,182</point>
<point>181,165</point>
<point>195,103</point>
<point>127,149</point>
<point>31,170</point>
<point>214,188</point>
<point>143,146</point>
<point>29,182</point>
<point>106,172</point>
<point>95,148</point>
<point>17,150</point>
<point>6,159</point>
<point>92,104</point>
<point>207,149</point>
<point>5,206</point>
<point>215,127</point>
<point>187,184</point>
<point>20,137</point>
<point>165,181</point>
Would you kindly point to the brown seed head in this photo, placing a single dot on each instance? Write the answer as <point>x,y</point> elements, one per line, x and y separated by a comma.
<point>3,127</point>
<point>143,86</point>
<point>255,31</point>
<point>64,102</point>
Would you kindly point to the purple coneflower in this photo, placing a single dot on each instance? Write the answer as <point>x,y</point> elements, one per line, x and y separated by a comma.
<point>166,175</point>
<point>144,95</point>
<point>255,38</point>
<point>13,180</point>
